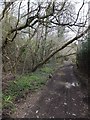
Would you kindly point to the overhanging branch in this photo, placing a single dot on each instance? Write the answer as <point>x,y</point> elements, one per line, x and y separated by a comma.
<point>61,48</point>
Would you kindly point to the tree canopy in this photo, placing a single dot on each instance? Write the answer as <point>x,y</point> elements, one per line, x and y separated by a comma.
<point>41,28</point>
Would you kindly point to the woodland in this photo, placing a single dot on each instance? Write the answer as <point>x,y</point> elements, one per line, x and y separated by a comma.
<point>37,38</point>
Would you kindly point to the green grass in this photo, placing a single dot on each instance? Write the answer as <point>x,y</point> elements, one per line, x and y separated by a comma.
<point>21,85</point>
<point>46,69</point>
<point>24,84</point>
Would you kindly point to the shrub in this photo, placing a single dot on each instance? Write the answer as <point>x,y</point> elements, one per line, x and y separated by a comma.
<point>83,58</point>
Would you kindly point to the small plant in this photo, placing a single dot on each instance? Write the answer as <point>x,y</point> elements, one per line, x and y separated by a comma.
<point>7,102</point>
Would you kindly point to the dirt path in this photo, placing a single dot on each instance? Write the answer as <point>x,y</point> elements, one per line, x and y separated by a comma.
<point>61,98</point>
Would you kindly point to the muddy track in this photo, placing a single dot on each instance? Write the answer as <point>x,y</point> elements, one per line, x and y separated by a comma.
<point>62,97</point>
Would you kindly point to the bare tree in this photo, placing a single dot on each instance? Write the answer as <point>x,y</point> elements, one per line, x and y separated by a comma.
<point>46,15</point>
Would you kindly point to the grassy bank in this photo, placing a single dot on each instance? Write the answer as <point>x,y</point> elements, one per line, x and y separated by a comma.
<point>24,84</point>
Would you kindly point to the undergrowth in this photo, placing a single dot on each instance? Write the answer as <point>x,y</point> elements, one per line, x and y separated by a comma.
<point>24,84</point>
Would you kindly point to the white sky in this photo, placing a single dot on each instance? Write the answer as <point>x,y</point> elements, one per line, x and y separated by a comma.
<point>78,3</point>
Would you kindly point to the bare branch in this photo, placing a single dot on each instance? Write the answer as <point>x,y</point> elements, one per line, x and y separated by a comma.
<point>7,5</point>
<point>17,22</point>
<point>79,12</point>
<point>61,48</point>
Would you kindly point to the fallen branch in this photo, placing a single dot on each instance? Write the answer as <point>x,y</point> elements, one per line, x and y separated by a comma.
<point>61,48</point>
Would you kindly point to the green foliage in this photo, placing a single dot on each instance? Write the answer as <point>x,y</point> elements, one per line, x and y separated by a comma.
<point>25,83</point>
<point>83,56</point>
<point>19,87</point>
<point>46,69</point>
<point>7,101</point>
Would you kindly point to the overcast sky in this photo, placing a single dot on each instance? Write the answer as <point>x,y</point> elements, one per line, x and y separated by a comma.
<point>77,5</point>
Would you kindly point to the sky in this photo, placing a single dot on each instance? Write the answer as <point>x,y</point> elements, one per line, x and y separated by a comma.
<point>78,3</point>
